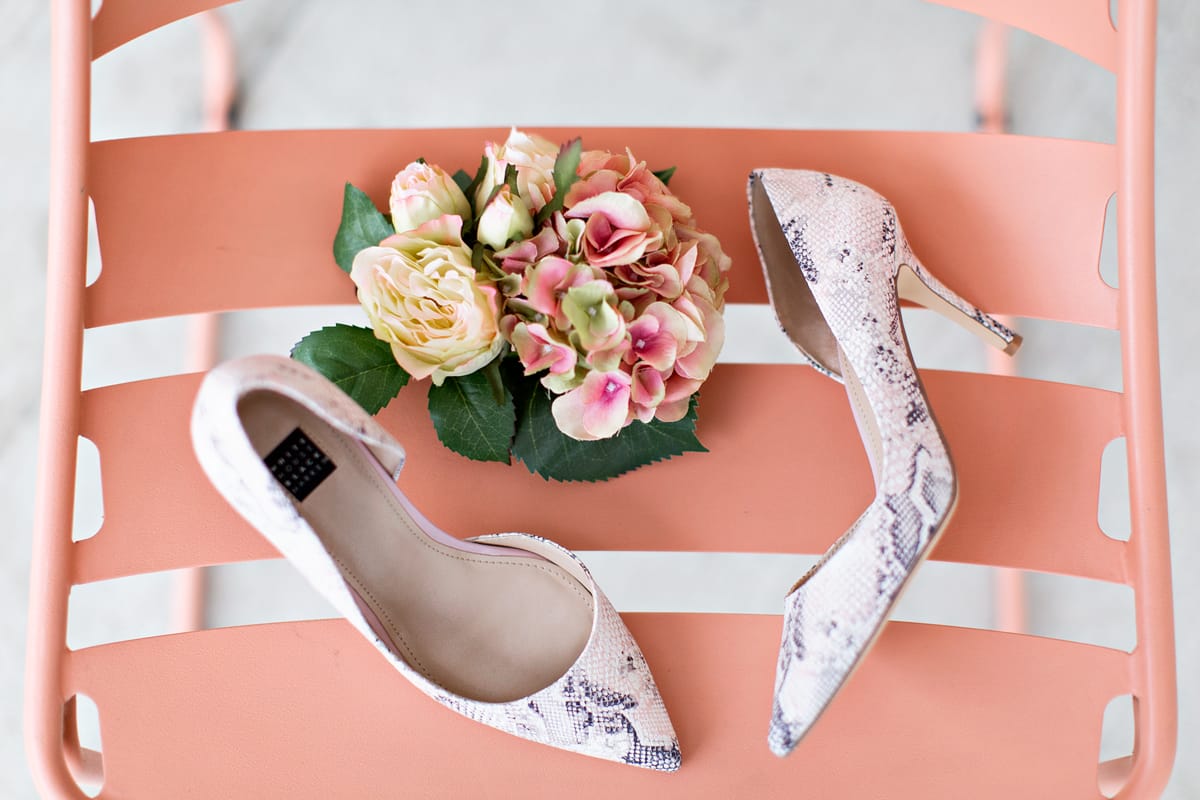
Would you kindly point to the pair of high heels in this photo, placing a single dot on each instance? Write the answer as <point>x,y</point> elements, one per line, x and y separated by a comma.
<point>510,630</point>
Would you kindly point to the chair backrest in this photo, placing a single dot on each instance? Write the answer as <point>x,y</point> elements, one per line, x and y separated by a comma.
<point>280,710</point>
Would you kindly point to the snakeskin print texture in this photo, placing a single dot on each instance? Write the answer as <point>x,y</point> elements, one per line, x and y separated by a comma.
<point>849,247</point>
<point>606,705</point>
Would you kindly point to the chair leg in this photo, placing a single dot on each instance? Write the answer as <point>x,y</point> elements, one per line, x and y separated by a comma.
<point>991,58</point>
<point>220,72</point>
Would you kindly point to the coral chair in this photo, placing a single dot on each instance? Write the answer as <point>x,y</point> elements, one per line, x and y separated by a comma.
<point>305,709</point>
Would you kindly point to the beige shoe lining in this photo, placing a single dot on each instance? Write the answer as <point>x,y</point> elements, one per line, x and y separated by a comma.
<point>489,627</point>
<point>793,301</point>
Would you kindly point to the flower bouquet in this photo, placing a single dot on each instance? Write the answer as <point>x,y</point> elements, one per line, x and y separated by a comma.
<point>562,302</point>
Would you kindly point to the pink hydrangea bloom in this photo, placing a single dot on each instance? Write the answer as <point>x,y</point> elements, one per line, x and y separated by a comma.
<point>538,349</point>
<point>618,229</point>
<point>620,297</point>
<point>596,409</point>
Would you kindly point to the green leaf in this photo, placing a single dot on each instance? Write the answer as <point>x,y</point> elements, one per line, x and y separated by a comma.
<point>485,266</point>
<point>496,381</point>
<point>547,451</point>
<point>566,166</point>
<point>476,182</point>
<point>664,175</point>
<point>362,227</point>
<point>510,179</point>
<point>469,421</point>
<point>361,365</point>
<point>477,256</point>
<point>566,172</point>
<point>463,180</point>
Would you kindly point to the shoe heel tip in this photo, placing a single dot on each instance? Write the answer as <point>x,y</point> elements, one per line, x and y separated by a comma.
<point>1014,345</point>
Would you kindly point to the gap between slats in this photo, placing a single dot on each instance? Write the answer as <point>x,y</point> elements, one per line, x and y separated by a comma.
<point>1053,351</point>
<point>960,595</point>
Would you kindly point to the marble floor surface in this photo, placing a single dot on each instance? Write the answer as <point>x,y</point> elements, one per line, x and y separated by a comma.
<point>898,64</point>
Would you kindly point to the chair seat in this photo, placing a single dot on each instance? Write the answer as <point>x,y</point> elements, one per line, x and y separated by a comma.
<point>215,222</point>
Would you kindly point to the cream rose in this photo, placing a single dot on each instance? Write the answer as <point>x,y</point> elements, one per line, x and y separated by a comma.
<point>421,296</point>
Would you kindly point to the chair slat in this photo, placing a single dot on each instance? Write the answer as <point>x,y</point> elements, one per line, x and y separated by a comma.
<point>160,511</point>
<point>1078,25</point>
<point>786,473</point>
<point>1081,26</point>
<point>931,706</point>
<point>208,222</point>
<point>121,21</point>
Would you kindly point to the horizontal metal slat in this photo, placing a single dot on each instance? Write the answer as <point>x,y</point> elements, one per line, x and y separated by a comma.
<point>219,221</point>
<point>308,709</point>
<point>1081,26</point>
<point>786,472</point>
<point>121,21</point>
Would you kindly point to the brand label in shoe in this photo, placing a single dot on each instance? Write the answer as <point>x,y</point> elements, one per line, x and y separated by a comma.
<point>299,464</point>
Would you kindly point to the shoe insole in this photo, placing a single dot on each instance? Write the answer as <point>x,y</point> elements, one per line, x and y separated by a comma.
<point>795,306</point>
<point>488,623</point>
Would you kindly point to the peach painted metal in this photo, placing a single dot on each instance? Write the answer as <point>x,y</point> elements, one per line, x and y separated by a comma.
<point>1153,674</point>
<point>121,21</point>
<point>305,710</point>
<point>991,60</point>
<point>993,246</point>
<point>220,91</point>
<point>1082,26</point>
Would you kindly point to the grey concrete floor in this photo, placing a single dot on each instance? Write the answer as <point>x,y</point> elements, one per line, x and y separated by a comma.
<point>897,64</point>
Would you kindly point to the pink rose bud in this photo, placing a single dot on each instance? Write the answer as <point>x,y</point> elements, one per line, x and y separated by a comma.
<point>424,192</point>
<point>534,159</point>
<point>505,218</point>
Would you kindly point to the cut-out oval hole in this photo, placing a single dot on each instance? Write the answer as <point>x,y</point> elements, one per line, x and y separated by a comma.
<point>1118,737</point>
<point>92,272</point>
<point>82,746</point>
<point>1113,510</point>
<point>89,494</point>
<point>1109,273</point>
<point>1113,8</point>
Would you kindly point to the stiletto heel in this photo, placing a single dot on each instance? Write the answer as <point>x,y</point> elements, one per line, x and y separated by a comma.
<point>837,264</point>
<point>509,630</point>
<point>917,285</point>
